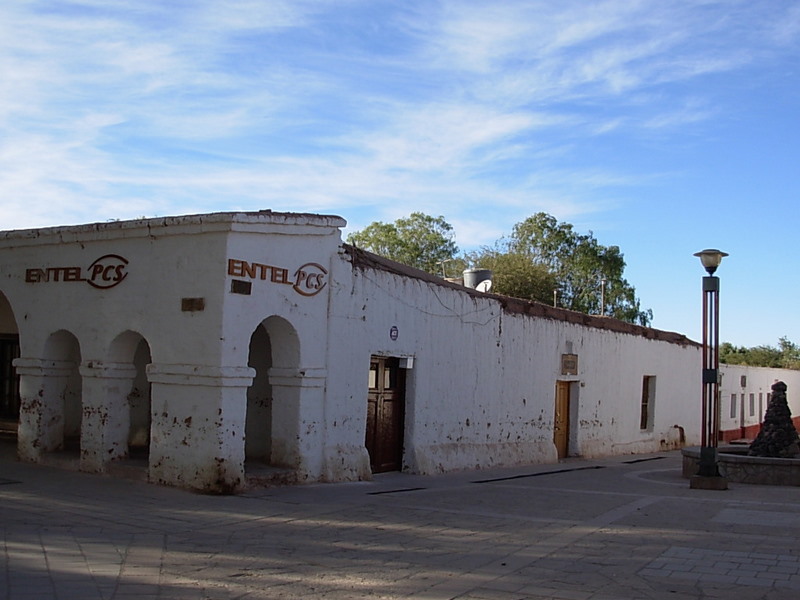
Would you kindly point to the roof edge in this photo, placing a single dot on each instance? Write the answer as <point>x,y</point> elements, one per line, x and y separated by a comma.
<point>219,221</point>
<point>363,259</point>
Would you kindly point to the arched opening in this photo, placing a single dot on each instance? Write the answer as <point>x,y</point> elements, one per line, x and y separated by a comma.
<point>9,380</point>
<point>139,402</point>
<point>130,348</point>
<point>258,424</point>
<point>65,392</point>
<point>269,427</point>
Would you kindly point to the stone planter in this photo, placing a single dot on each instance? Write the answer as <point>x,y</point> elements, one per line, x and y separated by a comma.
<point>736,466</point>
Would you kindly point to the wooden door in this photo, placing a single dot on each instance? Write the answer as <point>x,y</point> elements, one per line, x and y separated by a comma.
<point>561,420</point>
<point>9,380</point>
<point>385,414</point>
<point>742,425</point>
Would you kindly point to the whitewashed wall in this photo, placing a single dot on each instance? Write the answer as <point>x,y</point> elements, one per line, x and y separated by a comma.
<point>79,344</point>
<point>750,397</point>
<point>274,365</point>
<point>481,391</point>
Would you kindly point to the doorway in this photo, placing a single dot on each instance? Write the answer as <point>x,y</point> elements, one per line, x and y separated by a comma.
<point>385,414</point>
<point>62,396</point>
<point>272,422</point>
<point>561,419</point>
<point>258,421</point>
<point>140,405</point>
<point>9,380</point>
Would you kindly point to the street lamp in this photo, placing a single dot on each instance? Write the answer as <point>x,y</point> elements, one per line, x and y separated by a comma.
<point>708,476</point>
<point>711,259</point>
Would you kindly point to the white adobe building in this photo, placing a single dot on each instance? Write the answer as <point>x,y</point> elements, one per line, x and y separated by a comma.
<point>216,344</point>
<point>744,395</point>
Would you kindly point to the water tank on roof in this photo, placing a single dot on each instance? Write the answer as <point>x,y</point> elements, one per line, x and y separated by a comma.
<point>478,279</point>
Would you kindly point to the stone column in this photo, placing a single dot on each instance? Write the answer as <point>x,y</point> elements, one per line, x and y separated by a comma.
<point>197,433</point>
<point>106,413</point>
<point>298,419</point>
<point>41,414</point>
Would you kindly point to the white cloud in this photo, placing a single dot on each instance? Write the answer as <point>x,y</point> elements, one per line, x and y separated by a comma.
<point>786,30</point>
<point>441,137</point>
<point>693,111</point>
<point>129,108</point>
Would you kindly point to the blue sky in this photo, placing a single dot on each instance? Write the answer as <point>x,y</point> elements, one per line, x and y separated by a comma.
<point>664,127</point>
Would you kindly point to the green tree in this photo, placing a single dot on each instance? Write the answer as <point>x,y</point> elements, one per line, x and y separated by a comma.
<point>732,355</point>
<point>514,274</point>
<point>419,240</point>
<point>540,257</point>
<point>790,354</point>
<point>589,275</point>
<point>785,356</point>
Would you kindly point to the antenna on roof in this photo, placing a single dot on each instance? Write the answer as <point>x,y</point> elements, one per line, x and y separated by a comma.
<point>478,279</point>
<point>484,286</point>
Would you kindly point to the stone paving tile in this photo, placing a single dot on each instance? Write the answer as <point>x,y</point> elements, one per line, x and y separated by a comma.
<point>730,566</point>
<point>623,531</point>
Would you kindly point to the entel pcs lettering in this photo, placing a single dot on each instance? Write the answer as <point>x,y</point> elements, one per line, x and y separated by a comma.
<point>105,272</point>
<point>308,280</point>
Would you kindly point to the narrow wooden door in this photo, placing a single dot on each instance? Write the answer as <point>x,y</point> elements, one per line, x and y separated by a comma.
<point>742,425</point>
<point>561,420</point>
<point>385,414</point>
<point>9,380</point>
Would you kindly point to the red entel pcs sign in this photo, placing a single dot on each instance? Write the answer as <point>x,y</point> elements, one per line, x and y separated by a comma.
<point>111,269</point>
<point>105,272</point>
<point>307,280</point>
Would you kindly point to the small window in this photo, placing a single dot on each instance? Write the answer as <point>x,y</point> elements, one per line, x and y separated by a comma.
<point>373,376</point>
<point>733,406</point>
<point>752,405</point>
<point>648,402</point>
<point>389,376</point>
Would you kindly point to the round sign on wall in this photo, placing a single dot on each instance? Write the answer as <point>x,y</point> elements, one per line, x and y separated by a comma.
<point>394,332</point>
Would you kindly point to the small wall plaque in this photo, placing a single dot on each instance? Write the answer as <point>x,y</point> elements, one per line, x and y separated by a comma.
<point>569,364</point>
<point>239,286</point>
<point>193,304</point>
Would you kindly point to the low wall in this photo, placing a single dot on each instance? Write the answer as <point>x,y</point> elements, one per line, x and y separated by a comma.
<point>736,466</point>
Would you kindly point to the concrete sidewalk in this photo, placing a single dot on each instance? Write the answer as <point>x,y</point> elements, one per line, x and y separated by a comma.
<point>622,528</point>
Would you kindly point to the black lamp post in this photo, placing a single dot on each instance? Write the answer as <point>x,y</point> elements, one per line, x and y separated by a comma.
<point>708,476</point>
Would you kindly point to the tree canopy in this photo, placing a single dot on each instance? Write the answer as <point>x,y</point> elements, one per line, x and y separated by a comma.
<point>785,356</point>
<point>541,256</point>
<point>589,275</point>
<point>418,240</point>
<point>513,274</point>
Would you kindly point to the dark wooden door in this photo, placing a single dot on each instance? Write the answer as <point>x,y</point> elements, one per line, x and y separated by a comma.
<point>9,380</point>
<point>385,414</point>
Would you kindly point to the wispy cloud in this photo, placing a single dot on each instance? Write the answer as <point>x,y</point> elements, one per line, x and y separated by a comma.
<point>127,108</point>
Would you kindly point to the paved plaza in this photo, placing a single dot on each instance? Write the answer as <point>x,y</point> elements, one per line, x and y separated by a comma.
<point>619,528</point>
